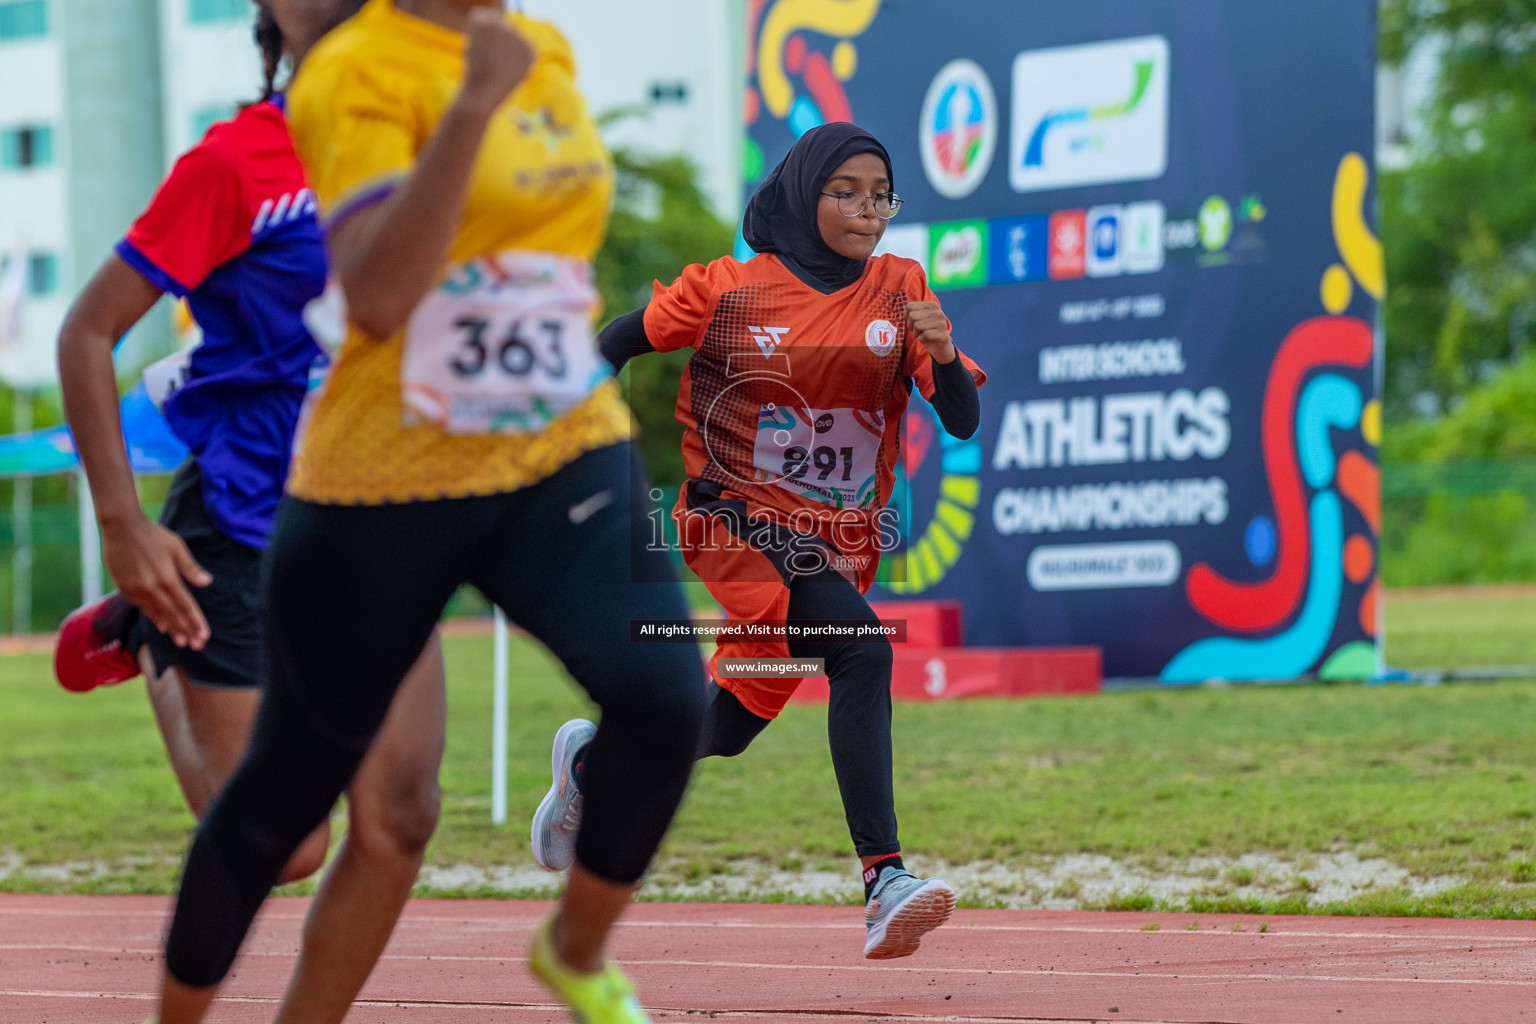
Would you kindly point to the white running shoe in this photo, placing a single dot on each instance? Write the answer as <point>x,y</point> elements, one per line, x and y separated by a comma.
<point>559,815</point>
<point>901,910</point>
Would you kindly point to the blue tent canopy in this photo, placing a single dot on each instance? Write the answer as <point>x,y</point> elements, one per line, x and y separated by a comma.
<point>152,448</point>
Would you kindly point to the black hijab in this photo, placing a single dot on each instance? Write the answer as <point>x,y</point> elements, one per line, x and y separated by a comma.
<point>781,217</point>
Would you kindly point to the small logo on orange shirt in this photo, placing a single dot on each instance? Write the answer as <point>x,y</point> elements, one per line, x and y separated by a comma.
<point>768,338</point>
<point>880,336</point>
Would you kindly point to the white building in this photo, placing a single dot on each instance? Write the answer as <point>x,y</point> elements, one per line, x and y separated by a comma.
<point>1402,94</point>
<point>678,65</point>
<point>98,97</point>
<point>34,225</point>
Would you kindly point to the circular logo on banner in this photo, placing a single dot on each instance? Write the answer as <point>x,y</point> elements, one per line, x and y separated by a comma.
<point>959,129</point>
<point>880,336</point>
<point>1215,224</point>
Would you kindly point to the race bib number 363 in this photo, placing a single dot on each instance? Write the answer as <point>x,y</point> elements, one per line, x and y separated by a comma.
<point>503,345</point>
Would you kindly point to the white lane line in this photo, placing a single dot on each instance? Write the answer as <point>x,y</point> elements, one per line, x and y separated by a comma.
<point>843,1015</point>
<point>272,1000</point>
<point>1161,930</point>
<point>515,959</point>
<point>152,954</point>
<point>51,947</point>
<point>246,953</point>
<point>806,1015</point>
<point>62,994</point>
<point>922,1018</point>
<point>1158,975</point>
<point>1166,974</point>
<point>526,925</point>
<point>759,965</point>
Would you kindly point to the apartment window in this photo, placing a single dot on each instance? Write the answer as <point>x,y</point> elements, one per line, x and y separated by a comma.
<point>42,273</point>
<point>201,12</point>
<point>669,92</point>
<point>207,117</point>
<point>23,19</point>
<point>24,148</point>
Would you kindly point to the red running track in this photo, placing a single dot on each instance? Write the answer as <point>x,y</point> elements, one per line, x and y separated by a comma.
<point>92,960</point>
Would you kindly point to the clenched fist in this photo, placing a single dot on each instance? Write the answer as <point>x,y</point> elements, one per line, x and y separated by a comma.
<point>496,58</point>
<point>927,323</point>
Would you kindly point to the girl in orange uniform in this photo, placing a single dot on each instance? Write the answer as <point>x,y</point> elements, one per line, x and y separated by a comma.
<point>804,360</point>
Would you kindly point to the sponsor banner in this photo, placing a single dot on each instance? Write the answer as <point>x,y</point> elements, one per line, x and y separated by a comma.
<point>1102,257</point>
<point>1067,245</point>
<point>959,126</point>
<point>1089,114</point>
<point>1018,249</point>
<point>1169,270</point>
<point>1141,238</point>
<point>1103,566</point>
<point>909,241</point>
<point>959,257</point>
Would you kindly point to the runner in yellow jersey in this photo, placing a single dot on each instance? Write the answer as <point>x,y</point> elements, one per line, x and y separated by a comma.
<point>469,433</point>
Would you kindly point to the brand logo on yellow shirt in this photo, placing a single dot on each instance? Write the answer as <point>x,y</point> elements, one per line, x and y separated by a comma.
<point>541,126</point>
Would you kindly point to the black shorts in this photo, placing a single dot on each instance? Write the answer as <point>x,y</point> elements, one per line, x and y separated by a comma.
<point>231,603</point>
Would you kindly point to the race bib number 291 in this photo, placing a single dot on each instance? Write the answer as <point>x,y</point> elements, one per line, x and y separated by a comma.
<point>828,456</point>
<point>503,345</point>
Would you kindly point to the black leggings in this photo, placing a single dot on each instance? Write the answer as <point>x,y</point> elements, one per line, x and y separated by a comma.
<point>353,593</point>
<point>858,716</point>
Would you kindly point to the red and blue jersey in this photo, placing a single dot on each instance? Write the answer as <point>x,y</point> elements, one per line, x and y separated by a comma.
<point>234,229</point>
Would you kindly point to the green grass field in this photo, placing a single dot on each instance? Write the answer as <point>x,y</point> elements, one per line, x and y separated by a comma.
<point>1271,799</point>
<point>1428,629</point>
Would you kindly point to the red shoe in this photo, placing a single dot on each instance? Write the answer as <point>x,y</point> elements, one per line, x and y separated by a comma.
<point>90,651</point>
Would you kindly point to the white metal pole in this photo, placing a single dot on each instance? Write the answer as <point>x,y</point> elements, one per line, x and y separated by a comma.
<point>21,528</point>
<point>90,546</point>
<point>499,722</point>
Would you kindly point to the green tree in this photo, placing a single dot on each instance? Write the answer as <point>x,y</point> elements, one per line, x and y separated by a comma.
<point>661,223</point>
<point>1459,224</point>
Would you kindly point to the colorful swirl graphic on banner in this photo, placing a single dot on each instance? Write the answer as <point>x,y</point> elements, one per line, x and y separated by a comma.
<point>778,50</point>
<point>1304,407</point>
<point>929,557</point>
<point>789,79</point>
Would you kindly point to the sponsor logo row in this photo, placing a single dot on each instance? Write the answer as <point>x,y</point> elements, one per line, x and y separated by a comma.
<point>1101,241</point>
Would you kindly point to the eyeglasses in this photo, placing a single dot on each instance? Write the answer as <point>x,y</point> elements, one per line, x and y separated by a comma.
<point>851,204</point>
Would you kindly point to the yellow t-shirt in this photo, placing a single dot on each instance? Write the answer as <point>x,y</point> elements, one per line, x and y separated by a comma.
<point>368,99</point>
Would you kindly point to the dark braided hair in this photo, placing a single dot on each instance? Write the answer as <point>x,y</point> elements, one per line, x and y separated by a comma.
<point>269,37</point>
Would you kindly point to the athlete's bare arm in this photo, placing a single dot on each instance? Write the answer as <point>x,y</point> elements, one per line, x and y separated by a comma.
<point>150,564</point>
<point>388,257</point>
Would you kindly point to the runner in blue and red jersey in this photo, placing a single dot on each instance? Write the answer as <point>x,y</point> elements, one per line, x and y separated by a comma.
<point>234,231</point>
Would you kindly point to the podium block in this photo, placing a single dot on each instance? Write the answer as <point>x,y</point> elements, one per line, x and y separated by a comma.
<point>929,623</point>
<point>954,673</point>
